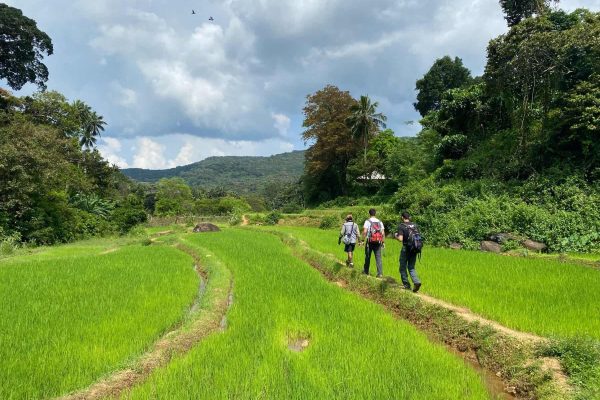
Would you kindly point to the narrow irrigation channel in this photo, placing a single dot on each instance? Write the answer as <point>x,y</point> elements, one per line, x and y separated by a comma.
<point>203,318</point>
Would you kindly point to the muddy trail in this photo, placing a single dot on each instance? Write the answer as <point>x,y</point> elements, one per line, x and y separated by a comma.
<point>197,324</point>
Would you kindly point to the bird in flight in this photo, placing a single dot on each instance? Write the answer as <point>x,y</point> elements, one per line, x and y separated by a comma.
<point>211,19</point>
<point>193,12</point>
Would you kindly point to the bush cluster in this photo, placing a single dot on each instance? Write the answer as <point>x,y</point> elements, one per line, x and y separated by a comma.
<point>564,216</point>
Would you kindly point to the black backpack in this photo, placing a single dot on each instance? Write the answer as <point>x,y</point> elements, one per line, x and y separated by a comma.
<point>414,242</point>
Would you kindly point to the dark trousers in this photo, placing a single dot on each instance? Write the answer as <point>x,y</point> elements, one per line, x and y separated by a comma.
<point>407,262</point>
<point>373,248</point>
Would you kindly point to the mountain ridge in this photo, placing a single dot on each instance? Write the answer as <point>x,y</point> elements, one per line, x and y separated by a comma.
<point>242,174</point>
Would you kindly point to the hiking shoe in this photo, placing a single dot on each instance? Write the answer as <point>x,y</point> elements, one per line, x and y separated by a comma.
<point>379,276</point>
<point>351,265</point>
<point>417,287</point>
<point>406,287</point>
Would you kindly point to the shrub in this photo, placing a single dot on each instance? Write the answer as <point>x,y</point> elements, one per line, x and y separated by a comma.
<point>272,218</point>
<point>329,221</point>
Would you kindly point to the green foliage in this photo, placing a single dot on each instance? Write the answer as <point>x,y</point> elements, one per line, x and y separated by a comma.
<point>92,203</point>
<point>517,10</point>
<point>330,221</point>
<point>580,360</point>
<point>272,218</point>
<point>235,217</point>
<point>128,214</point>
<point>444,74</point>
<point>332,144</point>
<point>364,121</point>
<point>50,190</point>
<point>173,197</point>
<point>22,48</point>
<point>565,216</point>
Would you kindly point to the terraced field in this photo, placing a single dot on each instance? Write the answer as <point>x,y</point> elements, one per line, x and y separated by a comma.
<point>292,335</point>
<point>80,315</point>
<point>541,296</point>
<point>71,314</point>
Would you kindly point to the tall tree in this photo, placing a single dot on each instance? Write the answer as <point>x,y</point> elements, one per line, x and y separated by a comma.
<point>22,48</point>
<point>93,125</point>
<point>517,10</point>
<point>364,121</point>
<point>444,74</point>
<point>332,147</point>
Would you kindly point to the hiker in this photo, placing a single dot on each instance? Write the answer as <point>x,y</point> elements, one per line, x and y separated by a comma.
<point>374,233</point>
<point>349,235</point>
<point>408,234</point>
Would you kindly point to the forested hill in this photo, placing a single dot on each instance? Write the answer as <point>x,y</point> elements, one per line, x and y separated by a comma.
<point>239,174</point>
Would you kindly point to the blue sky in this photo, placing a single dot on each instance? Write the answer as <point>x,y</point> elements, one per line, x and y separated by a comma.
<point>176,88</point>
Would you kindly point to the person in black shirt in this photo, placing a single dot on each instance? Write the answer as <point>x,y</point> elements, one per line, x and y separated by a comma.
<point>407,259</point>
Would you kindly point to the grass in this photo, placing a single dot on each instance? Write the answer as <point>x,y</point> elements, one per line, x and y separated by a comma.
<point>541,296</point>
<point>72,314</point>
<point>355,348</point>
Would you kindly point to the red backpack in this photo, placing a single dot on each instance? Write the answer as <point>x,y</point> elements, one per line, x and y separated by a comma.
<point>375,233</point>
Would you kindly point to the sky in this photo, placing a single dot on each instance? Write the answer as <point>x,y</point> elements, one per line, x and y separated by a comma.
<point>176,88</point>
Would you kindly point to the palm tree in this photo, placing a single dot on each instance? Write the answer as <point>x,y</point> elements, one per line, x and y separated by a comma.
<point>93,124</point>
<point>364,120</point>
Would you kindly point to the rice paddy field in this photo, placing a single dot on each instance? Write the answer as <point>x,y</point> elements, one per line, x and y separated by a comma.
<point>537,295</point>
<point>292,335</point>
<point>71,314</point>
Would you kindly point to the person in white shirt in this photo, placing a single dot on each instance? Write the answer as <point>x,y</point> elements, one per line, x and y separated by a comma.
<point>374,234</point>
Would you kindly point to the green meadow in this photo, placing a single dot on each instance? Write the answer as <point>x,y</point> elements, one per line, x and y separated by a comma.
<point>345,347</point>
<point>71,314</point>
<point>537,295</point>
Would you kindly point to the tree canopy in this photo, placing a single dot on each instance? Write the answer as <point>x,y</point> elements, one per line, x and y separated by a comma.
<point>517,10</point>
<point>333,146</point>
<point>444,74</point>
<point>22,49</point>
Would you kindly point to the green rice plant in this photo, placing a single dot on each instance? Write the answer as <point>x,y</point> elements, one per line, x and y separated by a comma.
<point>292,335</point>
<point>537,295</point>
<point>72,314</point>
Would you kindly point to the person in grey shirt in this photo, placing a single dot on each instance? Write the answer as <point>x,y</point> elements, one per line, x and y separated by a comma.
<point>349,235</point>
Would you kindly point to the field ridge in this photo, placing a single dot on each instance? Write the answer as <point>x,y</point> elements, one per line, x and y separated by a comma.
<point>204,317</point>
<point>505,353</point>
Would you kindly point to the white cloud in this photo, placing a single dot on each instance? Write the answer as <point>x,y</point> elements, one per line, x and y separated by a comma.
<point>123,96</point>
<point>282,123</point>
<point>110,149</point>
<point>152,152</point>
<point>149,154</point>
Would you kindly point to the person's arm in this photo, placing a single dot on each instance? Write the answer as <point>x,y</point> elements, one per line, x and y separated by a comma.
<point>399,234</point>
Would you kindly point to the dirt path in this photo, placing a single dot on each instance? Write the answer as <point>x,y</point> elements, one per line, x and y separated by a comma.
<point>178,341</point>
<point>470,316</point>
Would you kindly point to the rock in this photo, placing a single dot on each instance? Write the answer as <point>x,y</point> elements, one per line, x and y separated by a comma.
<point>490,246</point>
<point>534,246</point>
<point>206,227</point>
<point>499,237</point>
<point>455,246</point>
